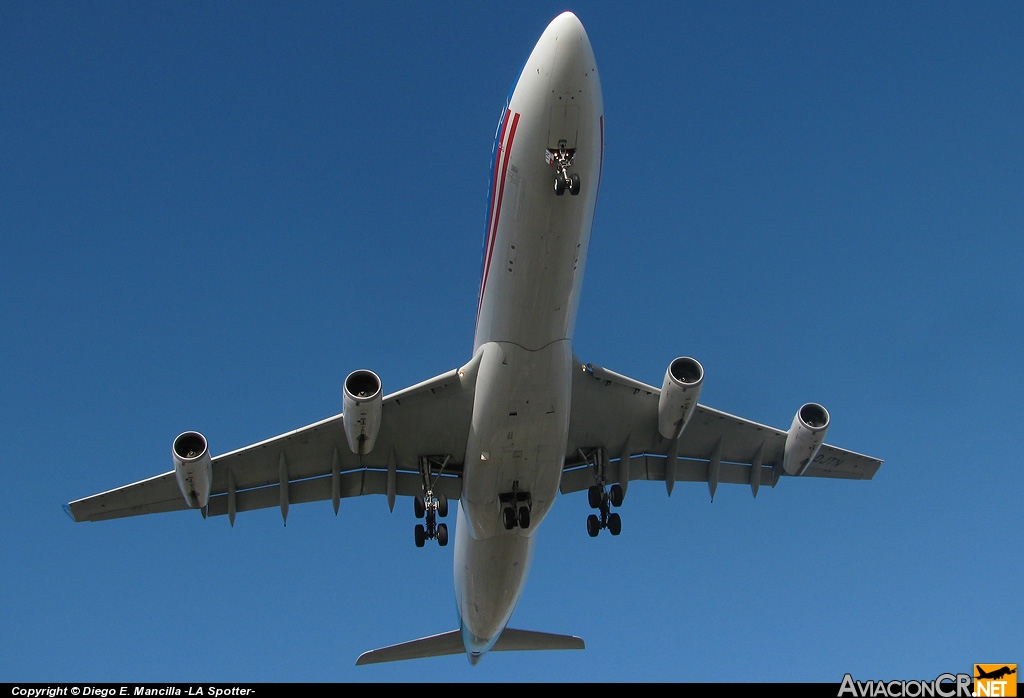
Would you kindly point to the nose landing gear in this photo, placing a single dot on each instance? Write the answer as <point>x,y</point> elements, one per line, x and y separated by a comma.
<point>561,159</point>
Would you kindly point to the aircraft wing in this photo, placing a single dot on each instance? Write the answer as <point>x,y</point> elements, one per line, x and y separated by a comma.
<point>620,416</point>
<point>315,463</point>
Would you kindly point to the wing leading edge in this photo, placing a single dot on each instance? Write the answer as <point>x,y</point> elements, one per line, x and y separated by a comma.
<point>620,416</point>
<point>314,463</point>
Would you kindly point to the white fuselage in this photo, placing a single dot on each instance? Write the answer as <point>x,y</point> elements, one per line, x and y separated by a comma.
<point>534,255</point>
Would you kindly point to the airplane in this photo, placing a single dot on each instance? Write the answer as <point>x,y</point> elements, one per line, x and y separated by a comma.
<point>995,674</point>
<point>524,420</point>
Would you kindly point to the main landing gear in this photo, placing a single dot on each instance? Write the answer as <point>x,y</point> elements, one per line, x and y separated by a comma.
<point>562,161</point>
<point>603,501</point>
<point>431,506</point>
<point>515,508</point>
<point>601,497</point>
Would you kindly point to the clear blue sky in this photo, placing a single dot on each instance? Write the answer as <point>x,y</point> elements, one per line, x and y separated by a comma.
<point>211,212</point>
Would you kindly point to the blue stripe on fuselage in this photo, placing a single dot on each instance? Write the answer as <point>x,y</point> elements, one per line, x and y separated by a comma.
<point>493,185</point>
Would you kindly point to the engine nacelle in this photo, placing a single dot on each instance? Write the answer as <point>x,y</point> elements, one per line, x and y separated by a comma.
<point>363,399</point>
<point>679,394</point>
<point>193,467</point>
<point>805,438</point>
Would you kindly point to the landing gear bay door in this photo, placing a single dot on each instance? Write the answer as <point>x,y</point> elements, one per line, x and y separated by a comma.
<point>565,124</point>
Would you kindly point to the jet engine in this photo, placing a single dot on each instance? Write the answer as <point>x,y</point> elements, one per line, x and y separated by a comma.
<point>679,393</point>
<point>805,438</point>
<point>362,406</point>
<point>193,467</point>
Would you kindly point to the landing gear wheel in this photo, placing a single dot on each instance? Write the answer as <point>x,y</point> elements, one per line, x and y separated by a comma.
<point>593,525</point>
<point>524,517</point>
<point>442,534</point>
<point>421,535</point>
<point>594,496</point>
<point>574,184</point>
<point>419,507</point>
<point>616,494</point>
<point>508,518</point>
<point>614,524</point>
<point>559,186</point>
<point>442,506</point>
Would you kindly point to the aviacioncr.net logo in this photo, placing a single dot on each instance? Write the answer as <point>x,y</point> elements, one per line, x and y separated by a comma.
<point>944,686</point>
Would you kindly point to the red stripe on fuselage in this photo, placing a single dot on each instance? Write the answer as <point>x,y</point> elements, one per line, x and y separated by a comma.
<point>499,189</point>
<point>497,168</point>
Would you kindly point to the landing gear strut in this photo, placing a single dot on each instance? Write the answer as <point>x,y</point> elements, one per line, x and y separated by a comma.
<point>561,159</point>
<point>430,506</point>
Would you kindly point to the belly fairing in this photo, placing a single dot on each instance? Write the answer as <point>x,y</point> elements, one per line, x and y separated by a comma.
<point>518,433</point>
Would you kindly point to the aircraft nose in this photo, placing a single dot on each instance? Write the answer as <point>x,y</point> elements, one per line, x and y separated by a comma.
<point>568,46</point>
<point>566,28</point>
<point>566,22</point>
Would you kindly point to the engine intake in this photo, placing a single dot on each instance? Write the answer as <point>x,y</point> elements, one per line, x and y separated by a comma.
<point>193,468</point>
<point>805,438</point>
<point>362,409</point>
<point>683,380</point>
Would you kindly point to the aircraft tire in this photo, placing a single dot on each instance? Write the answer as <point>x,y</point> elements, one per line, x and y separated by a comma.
<point>508,518</point>
<point>524,517</point>
<point>614,524</point>
<point>616,494</point>
<point>593,525</point>
<point>421,535</point>
<point>574,184</point>
<point>594,496</point>
<point>442,505</point>
<point>442,534</point>
<point>418,506</point>
<point>559,186</point>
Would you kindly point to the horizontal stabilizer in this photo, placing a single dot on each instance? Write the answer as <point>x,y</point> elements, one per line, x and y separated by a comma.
<point>433,646</point>
<point>444,644</point>
<point>516,640</point>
